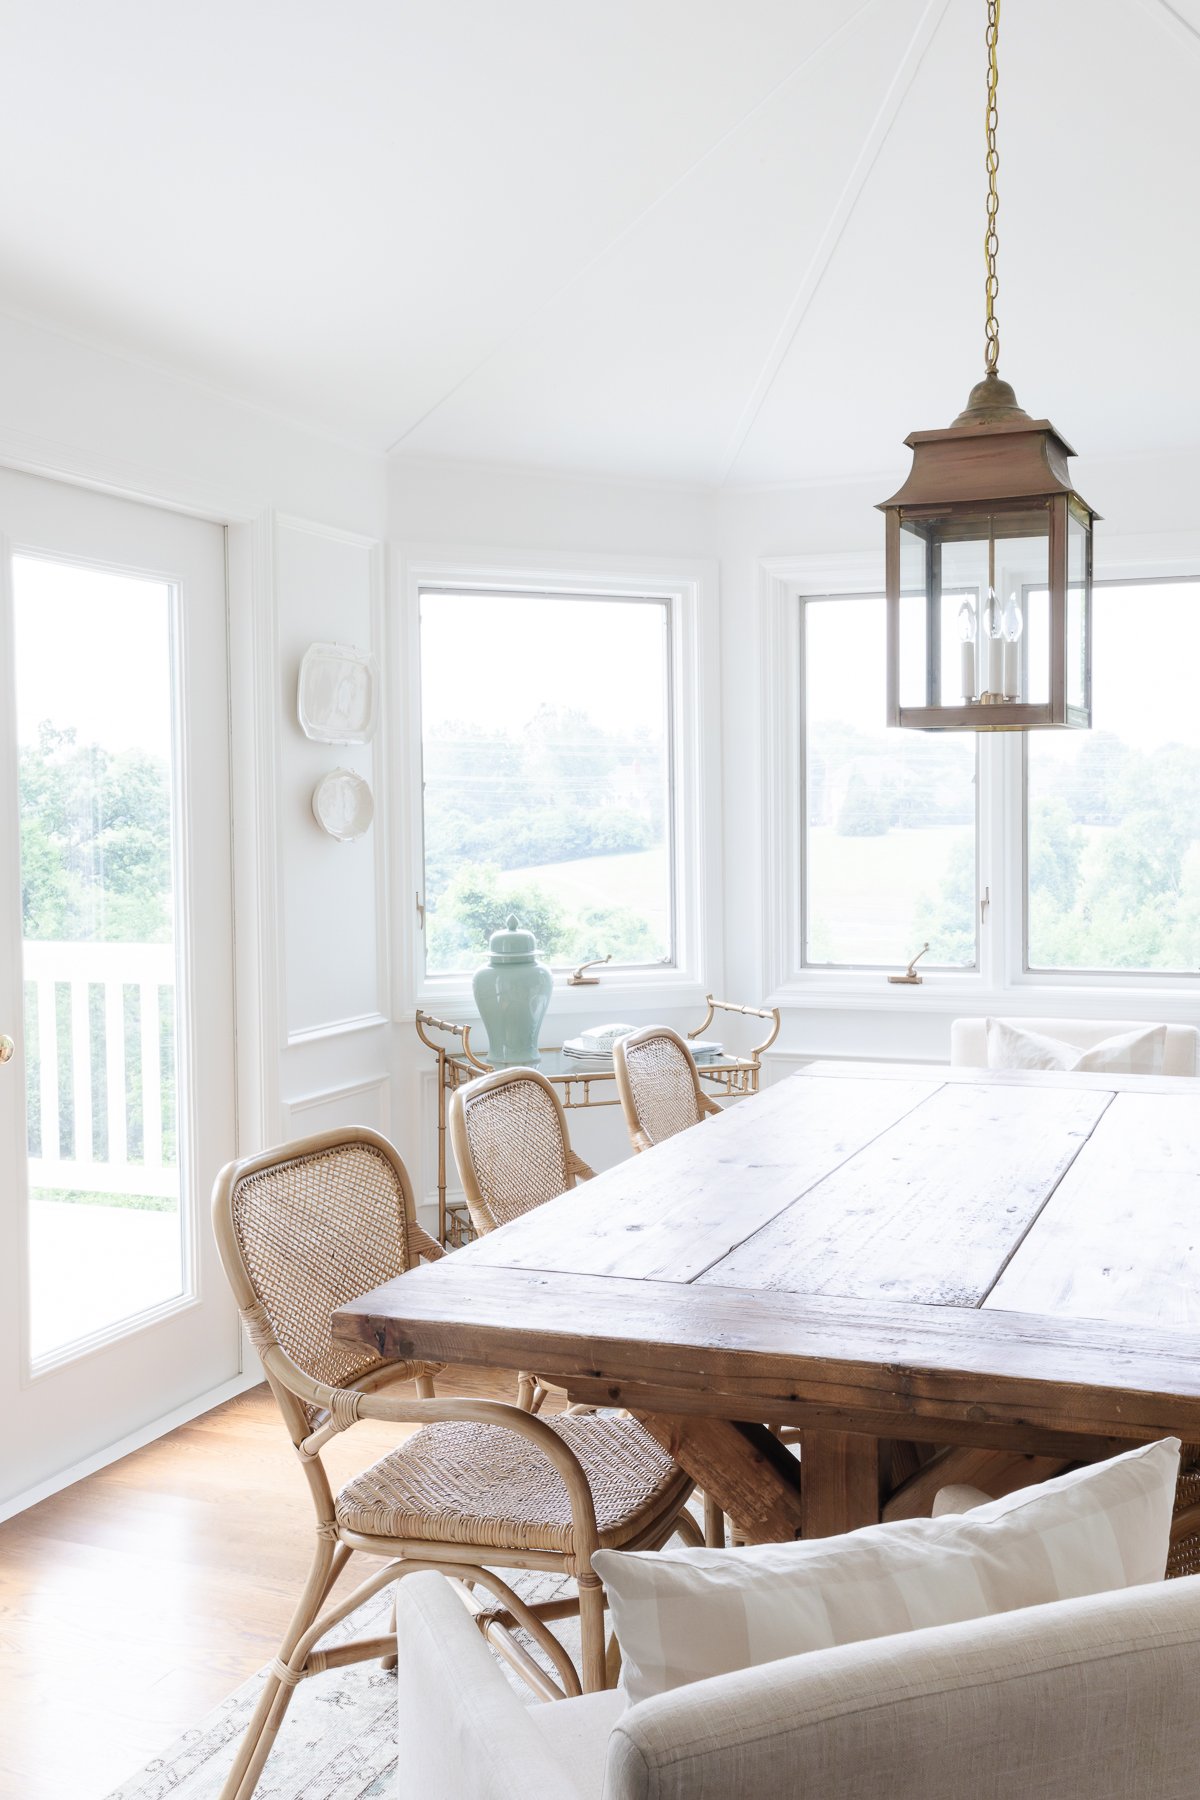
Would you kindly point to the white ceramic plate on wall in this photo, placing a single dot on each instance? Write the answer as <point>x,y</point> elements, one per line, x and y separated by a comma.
<point>336,698</point>
<point>342,805</point>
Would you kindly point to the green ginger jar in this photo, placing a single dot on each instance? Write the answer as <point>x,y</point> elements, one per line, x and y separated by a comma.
<point>512,991</point>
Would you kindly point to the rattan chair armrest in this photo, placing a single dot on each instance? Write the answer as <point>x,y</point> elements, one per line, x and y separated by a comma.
<point>579,1168</point>
<point>426,1247</point>
<point>346,1406</point>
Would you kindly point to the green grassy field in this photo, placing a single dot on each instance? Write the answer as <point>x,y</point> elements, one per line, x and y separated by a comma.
<point>867,895</point>
<point>637,880</point>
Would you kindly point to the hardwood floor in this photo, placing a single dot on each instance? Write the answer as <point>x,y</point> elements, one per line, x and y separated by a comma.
<point>134,1601</point>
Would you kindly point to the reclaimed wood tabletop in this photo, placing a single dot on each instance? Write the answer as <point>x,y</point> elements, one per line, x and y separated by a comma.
<point>933,1273</point>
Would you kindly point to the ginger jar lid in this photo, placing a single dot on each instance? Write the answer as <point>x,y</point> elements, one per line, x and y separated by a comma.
<point>513,943</point>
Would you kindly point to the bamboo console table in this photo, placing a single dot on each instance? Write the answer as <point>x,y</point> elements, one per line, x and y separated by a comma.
<point>579,1083</point>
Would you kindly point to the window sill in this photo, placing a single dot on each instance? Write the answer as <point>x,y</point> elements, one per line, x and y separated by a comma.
<point>1134,997</point>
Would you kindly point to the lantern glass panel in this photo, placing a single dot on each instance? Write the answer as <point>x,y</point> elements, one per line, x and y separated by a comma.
<point>997,560</point>
<point>1076,612</point>
<point>914,565</point>
<point>1035,655</point>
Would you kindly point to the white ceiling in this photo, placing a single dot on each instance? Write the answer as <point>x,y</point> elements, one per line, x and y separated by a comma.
<point>711,240</point>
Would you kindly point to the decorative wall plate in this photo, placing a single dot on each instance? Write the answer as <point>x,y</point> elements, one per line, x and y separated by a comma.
<point>336,697</point>
<point>342,805</point>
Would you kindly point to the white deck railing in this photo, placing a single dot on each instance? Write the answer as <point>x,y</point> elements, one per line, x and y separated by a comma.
<point>113,968</point>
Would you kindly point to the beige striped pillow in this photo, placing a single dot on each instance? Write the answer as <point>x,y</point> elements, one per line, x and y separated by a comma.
<point>681,1615</point>
<point>1136,1052</point>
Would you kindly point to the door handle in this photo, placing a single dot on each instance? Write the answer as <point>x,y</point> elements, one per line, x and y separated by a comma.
<point>7,1048</point>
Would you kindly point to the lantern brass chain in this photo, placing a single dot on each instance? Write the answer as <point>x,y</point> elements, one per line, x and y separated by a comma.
<point>991,242</point>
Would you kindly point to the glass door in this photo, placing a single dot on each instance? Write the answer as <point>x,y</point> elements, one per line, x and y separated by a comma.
<point>115,970</point>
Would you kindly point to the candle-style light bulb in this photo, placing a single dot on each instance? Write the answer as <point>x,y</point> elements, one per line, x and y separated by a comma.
<point>994,628</point>
<point>1014,625</point>
<point>967,630</point>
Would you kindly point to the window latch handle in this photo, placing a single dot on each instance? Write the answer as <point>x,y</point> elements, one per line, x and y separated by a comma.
<point>984,904</point>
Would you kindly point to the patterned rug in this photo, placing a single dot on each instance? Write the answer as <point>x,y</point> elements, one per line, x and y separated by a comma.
<point>338,1737</point>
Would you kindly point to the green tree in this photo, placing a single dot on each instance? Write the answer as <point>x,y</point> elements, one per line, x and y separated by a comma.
<point>1056,849</point>
<point>477,902</point>
<point>95,842</point>
<point>946,919</point>
<point>864,811</point>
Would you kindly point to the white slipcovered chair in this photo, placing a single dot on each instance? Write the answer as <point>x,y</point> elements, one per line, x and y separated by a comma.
<point>1181,1055</point>
<point>1086,1699</point>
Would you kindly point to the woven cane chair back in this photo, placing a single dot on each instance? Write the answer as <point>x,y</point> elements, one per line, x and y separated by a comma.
<point>658,1084</point>
<point>1184,1555</point>
<point>314,1225</point>
<point>511,1145</point>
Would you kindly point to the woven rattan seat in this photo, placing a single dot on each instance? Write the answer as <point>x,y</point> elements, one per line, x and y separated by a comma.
<point>478,1485</point>
<point>659,1086</point>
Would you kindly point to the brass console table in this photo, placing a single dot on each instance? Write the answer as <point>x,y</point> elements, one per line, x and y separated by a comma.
<point>578,1082</point>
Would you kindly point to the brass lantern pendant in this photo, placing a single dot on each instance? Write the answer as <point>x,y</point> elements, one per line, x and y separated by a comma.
<point>989,555</point>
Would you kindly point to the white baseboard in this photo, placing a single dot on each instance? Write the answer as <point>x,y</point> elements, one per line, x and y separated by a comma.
<point>145,1434</point>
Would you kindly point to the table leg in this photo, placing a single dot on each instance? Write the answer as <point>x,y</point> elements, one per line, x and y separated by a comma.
<point>840,1489</point>
<point>743,1468</point>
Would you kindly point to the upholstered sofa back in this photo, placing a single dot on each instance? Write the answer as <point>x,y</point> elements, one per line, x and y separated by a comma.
<point>968,1039</point>
<point>1090,1699</point>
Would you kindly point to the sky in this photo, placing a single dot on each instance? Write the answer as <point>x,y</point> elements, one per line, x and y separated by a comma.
<point>1144,658</point>
<point>93,652</point>
<point>494,659</point>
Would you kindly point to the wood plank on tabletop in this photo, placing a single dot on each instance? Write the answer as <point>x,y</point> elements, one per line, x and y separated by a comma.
<point>1120,1239</point>
<point>780,1356</point>
<point>931,1210</point>
<point>670,1212</point>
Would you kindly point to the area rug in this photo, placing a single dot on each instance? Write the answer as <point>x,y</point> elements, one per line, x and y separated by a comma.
<point>338,1737</point>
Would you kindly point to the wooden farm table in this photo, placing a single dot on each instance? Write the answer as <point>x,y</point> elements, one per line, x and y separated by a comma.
<point>934,1273</point>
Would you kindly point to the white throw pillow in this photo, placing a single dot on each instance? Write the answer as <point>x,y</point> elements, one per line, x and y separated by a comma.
<point>1138,1052</point>
<point>681,1615</point>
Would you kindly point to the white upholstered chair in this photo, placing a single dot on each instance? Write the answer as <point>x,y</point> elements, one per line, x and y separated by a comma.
<point>1086,1699</point>
<point>1181,1056</point>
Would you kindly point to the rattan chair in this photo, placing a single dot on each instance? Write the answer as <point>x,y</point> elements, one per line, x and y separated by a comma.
<point>509,1134</point>
<point>513,1150</point>
<point>480,1486</point>
<point>659,1085</point>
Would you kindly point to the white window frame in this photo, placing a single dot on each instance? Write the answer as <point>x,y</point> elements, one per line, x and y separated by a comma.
<point>689,589</point>
<point>1003,981</point>
<point>801,602</point>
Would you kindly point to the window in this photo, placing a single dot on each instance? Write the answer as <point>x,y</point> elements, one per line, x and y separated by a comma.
<point>1051,858</point>
<point>890,839</point>
<point>547,780</point>
<point>1113,815</point>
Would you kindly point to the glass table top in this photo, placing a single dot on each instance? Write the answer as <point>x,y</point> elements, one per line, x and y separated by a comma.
<point>558,1065</point>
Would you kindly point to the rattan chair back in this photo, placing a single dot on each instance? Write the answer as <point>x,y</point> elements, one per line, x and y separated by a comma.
<point>511,1144</point>
<point>659,1085</point>
<point>306,1227</point>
